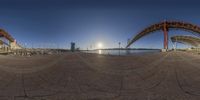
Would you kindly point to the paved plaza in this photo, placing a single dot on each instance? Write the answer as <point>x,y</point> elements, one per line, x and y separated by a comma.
<point>80,76</point>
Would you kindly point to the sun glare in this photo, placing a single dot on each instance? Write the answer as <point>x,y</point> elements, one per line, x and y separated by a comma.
<point>99,45</point>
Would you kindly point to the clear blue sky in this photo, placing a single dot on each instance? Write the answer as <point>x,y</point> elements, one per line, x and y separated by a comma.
<point>56,23</point>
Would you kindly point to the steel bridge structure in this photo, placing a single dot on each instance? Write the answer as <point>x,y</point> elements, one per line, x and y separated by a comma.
<point>3,33</point>
<point>12,42</point>
<point>165,27</point>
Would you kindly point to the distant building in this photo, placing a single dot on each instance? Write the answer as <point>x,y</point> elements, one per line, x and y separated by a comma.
<point>72,46</point>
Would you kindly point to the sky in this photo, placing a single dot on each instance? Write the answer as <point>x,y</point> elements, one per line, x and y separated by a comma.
<point>57,23</point>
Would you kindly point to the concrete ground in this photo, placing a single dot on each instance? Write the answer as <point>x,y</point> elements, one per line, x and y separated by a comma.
<point>78,76</point>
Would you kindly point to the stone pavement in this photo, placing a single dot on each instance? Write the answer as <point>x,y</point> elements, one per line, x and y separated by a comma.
<point>79,76</point>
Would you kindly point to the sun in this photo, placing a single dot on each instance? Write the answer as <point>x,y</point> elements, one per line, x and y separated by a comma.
<point>99,45</point>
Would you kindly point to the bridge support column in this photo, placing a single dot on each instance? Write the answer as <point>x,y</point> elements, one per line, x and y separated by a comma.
<point>165,30</point>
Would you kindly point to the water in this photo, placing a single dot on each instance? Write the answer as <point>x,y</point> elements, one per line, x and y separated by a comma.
<point>121,52</point>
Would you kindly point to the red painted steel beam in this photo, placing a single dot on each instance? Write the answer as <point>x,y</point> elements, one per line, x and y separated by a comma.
<point>6,35</point>
<point>169,25</point>
<point>165,30</point>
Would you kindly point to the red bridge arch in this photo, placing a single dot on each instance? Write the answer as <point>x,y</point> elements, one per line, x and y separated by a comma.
<point>165,26</point>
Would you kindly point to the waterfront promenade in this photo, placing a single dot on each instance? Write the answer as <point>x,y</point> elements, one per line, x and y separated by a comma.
<point>80,76</point>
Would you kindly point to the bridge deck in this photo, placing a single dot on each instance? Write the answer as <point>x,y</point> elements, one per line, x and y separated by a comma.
<point>161,76</point>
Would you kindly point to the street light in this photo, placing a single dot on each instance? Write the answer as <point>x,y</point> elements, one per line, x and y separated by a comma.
<point>119,47</point>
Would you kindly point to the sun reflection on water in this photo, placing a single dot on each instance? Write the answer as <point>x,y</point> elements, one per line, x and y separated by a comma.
<point>100,52</point>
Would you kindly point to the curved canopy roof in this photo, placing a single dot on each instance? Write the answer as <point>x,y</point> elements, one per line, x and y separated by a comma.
<point>191,40</point>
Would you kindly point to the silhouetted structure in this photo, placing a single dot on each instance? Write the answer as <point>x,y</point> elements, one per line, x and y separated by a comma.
<point>72,46</point>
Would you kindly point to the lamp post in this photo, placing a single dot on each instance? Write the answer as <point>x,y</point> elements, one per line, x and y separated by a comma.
<point>119,47</point>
